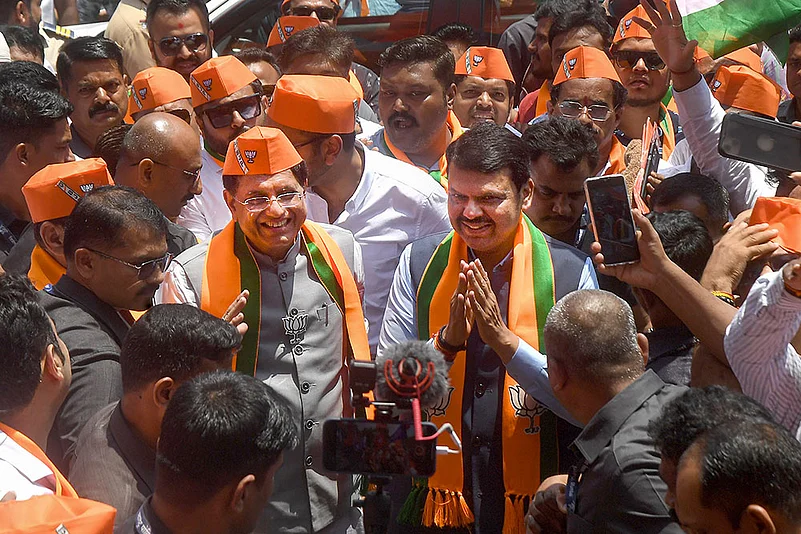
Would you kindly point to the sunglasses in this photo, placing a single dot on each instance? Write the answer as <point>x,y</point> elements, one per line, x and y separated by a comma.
<point>144,270</point>
<point>323,12</point>
<point>194,42</point>
<point>573,110</point>
<point>267,89</point>
<point>248,108</point>
<point>629,59</point>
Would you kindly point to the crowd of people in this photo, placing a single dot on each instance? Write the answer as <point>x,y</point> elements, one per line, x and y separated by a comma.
<point>197,248</point>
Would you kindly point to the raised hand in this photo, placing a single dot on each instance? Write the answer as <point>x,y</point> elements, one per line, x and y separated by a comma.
<point>668,35</point>
<point>741,244</point>
<point>649,270</point>
<point>489,318</point>
<point>234,315</point>
<point>460,320</point>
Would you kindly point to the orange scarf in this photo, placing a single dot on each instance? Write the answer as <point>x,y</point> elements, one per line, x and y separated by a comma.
<point>528,430</point>
<point>543,97</point>
<point>617,162</point>
<point>230,267</point>
<point>44,268</point>
<point>63,487</point>
<point>668,133</point>
<point>441,174</point>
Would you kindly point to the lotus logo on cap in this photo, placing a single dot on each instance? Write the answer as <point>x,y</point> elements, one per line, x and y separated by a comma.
<point>143,92</point>
<point>716,85</point>
<point>289,29</point>
<point>477,60</point>
<point>624,26</point>
<point>568,66</point>
<point>250,155</point>
<point>87,187</point>
<point>207,84</point>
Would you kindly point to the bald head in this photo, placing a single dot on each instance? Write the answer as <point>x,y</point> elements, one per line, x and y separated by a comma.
<point>591,333</point>
<point>160,157</point>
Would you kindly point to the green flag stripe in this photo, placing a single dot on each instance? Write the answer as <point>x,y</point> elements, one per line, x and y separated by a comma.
<point>326,274</point>
<point>428,284</point>
<point>250,278</point>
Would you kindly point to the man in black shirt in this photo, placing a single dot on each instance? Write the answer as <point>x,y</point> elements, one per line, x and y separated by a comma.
<point>595,366</point>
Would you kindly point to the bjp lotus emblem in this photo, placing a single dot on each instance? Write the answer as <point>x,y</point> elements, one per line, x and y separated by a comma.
<point>439,409</point>
<point>525,406</point>
<point>295,326</point>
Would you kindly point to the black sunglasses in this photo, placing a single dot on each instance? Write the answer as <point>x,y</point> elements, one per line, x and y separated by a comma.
<point>195,42</point>
<point>144,270</point>
<point>323,12</point>
<point>628,60</point>
<point>248,107</point>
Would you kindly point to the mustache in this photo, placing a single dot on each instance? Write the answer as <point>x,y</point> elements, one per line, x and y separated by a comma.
<point>102,108</point>
<point>480,220</point>
<point>405,116</point>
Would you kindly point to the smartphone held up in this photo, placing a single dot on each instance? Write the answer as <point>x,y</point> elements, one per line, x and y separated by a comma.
<point>609,202</point>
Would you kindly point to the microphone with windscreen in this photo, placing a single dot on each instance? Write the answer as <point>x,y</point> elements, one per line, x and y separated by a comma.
<point>414,373</point>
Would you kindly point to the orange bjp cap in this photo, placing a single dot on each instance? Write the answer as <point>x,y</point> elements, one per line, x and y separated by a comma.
<point>260,150</point>
<point>740,87</point>
<point>54,191</point>
<point>746,56</point>
<point>485,62</point>
<point>585,62</point>
<point>289,25</point>
<point>155,87</point>
<point>319,104</point>
<point>217,78</point>
<point>628,28</point>
<point>782,214</point>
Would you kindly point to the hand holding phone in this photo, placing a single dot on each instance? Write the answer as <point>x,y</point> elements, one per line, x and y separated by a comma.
<point>612,223</point>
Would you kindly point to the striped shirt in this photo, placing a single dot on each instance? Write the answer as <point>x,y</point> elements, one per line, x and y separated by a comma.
<point>758,348</point>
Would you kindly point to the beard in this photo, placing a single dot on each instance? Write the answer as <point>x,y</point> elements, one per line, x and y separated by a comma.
<point>642,102</point>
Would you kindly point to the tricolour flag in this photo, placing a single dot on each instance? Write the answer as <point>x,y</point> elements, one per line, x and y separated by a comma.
<point>722,26</point>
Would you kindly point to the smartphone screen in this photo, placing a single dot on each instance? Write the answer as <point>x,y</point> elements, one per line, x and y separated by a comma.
<point>369,447</point>
<point>612,223</point>
<point>761,141</point>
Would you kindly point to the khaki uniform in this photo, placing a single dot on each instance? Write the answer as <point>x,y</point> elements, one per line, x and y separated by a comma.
<point>127,28</point>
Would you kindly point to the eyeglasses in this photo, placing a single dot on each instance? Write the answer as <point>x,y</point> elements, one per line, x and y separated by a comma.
<point>248,108</point>
<point>144,270</point>
<point>194,42</point>
<point>267,89</point>
<point>193,175</point>
<point>285,200</point>
<point>182,114</point>
<point>310,141</point>
<point>626,59</point>
<point>574,110</point>
<point>323,12</point>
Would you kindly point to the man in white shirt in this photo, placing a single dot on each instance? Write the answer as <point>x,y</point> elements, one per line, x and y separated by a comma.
<point>384,202</point>
<point>228,101</point>
<point>35,379</point>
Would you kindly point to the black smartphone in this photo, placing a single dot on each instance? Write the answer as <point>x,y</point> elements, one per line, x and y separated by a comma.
<point>612,223</point>
<point>369,447</point>
<point>651,165</point>
<point>761,141</point>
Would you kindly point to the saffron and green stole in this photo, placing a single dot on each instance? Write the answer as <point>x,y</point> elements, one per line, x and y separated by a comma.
<point>531,297</point>
<point>441,174</point>
<point>231,267</point>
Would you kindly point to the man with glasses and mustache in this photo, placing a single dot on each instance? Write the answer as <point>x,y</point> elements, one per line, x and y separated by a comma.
<point>227,99</point>
<point>51,195</point>
<point>160,89</point>
<point>416,102</point>
<point>115,247</point>
<point>91,75</point>
<point>160,157</point>
<point>647,80</point>
<point>587,88</point>
<point>303,283</point>
<point>180,35</point>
